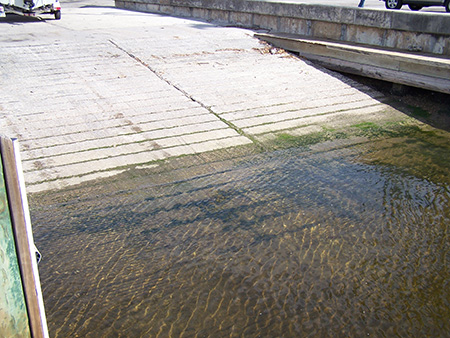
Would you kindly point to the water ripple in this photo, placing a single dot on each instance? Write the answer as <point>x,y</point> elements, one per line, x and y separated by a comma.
<point>335,243</point>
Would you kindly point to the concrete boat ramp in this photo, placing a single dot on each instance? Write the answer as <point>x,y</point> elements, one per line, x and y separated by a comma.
<point>103,90</point>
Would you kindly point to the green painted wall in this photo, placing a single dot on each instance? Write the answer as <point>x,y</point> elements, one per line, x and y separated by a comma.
<point>13,311</point>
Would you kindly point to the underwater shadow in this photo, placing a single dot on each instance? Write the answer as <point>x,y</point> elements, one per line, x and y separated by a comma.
<point>426,106</point>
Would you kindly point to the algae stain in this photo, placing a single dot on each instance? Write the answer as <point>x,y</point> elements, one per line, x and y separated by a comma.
<point>370,129</point>
<point>366,129</point>
<point>365,125</point>
<point>397,129</point>
<point>286,140</point>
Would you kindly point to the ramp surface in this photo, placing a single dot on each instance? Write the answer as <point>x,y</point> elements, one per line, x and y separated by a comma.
<point>104,89</point>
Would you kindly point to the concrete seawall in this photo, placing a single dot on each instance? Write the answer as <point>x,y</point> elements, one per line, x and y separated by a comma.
<point>404,31</point>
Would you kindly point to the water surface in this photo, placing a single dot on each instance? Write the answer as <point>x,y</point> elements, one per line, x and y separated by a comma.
<point>339,239</point>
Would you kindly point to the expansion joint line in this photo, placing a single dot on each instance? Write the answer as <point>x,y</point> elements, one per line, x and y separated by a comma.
<point>228,123</point>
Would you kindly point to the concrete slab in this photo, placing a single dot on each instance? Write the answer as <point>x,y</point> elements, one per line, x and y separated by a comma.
<point>104,89</point>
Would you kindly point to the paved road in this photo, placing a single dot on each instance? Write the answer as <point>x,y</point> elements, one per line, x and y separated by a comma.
<point>104,89</point>
<point>369,4</point>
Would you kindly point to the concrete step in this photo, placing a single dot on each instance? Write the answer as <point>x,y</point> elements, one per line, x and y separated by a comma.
<point>407,68</point>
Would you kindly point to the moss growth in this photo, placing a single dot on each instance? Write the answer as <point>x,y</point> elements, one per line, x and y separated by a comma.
<point>366,125</point>
<point>373,130</point>
<point>368,130</point>
<point>285,140</point>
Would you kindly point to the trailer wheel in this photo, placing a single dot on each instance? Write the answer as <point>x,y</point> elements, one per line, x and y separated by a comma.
<point>57,15</point>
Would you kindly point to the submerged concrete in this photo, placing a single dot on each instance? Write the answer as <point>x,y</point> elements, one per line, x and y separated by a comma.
<point>103,90</point>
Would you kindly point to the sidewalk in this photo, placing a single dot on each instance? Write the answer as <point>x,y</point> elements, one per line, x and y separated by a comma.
<point>104,89</point>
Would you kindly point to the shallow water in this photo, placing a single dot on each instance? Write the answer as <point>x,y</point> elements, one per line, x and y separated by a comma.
<point>344,241</point>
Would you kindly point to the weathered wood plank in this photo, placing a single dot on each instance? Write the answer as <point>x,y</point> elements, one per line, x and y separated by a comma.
<point>18,208</point>
<point>14,316</point>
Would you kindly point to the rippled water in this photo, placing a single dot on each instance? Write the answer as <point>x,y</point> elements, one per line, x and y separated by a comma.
<point>352,241</point>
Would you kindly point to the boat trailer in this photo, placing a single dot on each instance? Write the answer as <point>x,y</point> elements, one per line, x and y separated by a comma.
<point>30,7</point>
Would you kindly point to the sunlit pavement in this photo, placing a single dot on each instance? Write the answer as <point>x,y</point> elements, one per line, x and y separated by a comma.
<point>103,90</point>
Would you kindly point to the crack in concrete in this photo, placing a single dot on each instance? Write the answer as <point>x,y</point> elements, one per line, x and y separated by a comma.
<point>170,83</point>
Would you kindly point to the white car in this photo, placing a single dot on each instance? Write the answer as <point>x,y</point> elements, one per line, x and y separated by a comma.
<point>416,5</point>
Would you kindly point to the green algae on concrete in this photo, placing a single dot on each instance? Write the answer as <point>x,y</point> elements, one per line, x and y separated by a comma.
<point>369,130</point>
